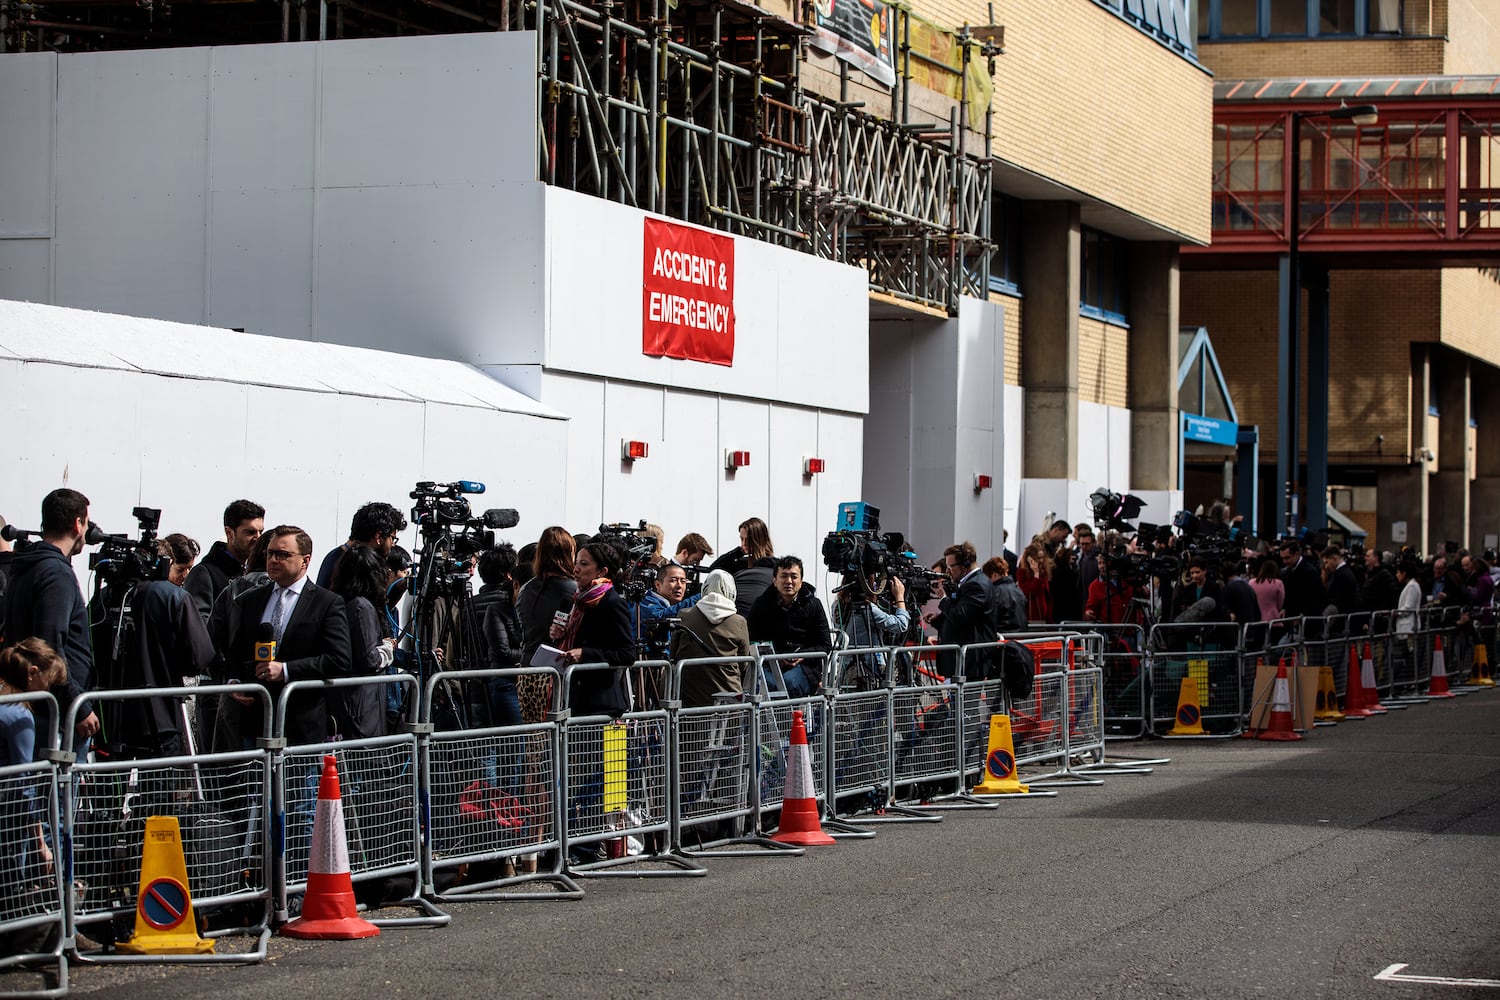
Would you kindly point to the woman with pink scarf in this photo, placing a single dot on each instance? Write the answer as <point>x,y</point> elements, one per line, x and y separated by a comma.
<point>598,631</point>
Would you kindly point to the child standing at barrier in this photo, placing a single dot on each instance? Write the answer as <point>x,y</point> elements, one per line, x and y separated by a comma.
<point>29,665</point>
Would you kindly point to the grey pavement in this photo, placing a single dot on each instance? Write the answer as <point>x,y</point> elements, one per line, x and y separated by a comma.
<point>1240,869</point>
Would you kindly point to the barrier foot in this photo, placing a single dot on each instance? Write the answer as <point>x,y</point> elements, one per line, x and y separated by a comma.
<point>840,829</point>
<point>1107,767</point>
<point>431,916</point>
<point>893,812</point>
<point>257,953</point>
<point>677,866</point>
<point>754,846</point>
<point>500,890</point>
<point>960,800</point>
<point>1064,777</point>
<point>55,967</point>
<point>998,797</point>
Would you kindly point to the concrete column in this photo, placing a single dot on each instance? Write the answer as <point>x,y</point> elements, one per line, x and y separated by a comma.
<point>1154,423</point>
<point>1450,484</point>
<point>1401,494</point>
<point>1050,246</point>
<point>1484,491</point>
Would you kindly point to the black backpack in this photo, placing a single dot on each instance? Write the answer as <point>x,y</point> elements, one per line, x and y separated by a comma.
<point>1016,665</point>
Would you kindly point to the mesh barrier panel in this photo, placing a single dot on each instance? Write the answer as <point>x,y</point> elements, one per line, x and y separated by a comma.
<point>616,776</point>
<point>29,891</point>
<point>378,785</point>
<point>981,699</point>
<point>926,734</point>
<point>861,742</point>
<point>775,732</point>
<point>490,792</point>
<point>1036,721</point>
<point>714,763</point>
<point>219,803</point>
<point>1086,713</point>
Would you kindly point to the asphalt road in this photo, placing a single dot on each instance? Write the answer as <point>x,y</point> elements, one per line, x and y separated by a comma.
<point>1240,869</point>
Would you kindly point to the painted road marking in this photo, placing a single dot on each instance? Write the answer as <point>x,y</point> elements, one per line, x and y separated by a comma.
<point>1392,974</point>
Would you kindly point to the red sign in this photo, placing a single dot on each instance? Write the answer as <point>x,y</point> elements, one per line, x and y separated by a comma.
<point>687,294</point>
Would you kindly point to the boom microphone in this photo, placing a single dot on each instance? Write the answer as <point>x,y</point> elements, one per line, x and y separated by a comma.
<point>501,517</point>
<point>11,533</point>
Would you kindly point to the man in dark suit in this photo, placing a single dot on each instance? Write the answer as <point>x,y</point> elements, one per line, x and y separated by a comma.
<point>311,631</point>
<point>1343,586</point>
<point>967,613</point>
<point>1302,581</point>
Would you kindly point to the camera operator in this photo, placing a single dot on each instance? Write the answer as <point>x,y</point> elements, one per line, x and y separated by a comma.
<point>180,551</point>
<point>791,618</point>
<point>967,614</point>
<point>378,525</point>
<point>1088,555</point>
<point>859,615</point>
<point>667,598</point>
<point>691,550</point>
<point>170,644</point>
<point>244,520</point>
<point>1110,596</point>
<point>45,602</point>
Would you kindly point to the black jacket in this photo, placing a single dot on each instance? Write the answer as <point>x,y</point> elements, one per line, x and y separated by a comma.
<point>751,582</point>
<point>538,601</point>
<point>801,627</point>
<point>44,601</point>
<point>314,646</point>
<point>1343,590</point>
<point>1304,590</point>
<point>499,625</point>
<point>1240,601</point>
<point>968,615</point>
<point>1009,605</point>
<point>170,643</point>
<point>208,579</point>
<point>1381,591</point>
<point>605,636</point>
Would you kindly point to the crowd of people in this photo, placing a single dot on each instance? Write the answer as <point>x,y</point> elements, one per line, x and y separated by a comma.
<point>254,609</point>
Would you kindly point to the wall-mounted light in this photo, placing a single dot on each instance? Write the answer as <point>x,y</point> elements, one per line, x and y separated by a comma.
<point>812,466</point>
<point>736,460</point>
<point>632,450</point>
<point>982,482</point>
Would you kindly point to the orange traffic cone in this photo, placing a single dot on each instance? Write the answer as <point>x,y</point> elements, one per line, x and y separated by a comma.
<point>1437,687</point>
<point>799,807</point>
<point>328,910</point>
<point>1367,678</point>
<point>1280,727</point>
<point>1356,698</point>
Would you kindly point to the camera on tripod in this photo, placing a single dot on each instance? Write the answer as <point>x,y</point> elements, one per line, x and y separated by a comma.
<point>123,560</point>
<point>442,509</point>
<point>857,549</point>
<point>637,546</point>
<point>1115,511</point>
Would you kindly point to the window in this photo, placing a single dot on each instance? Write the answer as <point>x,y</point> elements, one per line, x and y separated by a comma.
<point>1227,19</point>
<point>1005,233</point>
<point>1104,276</point>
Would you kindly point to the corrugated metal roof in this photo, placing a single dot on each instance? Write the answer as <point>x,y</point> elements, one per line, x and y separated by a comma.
<point>1360,88</point>
<point>52,334</point>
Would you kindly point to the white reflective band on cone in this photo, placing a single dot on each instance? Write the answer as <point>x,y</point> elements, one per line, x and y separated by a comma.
<point>330,852</point>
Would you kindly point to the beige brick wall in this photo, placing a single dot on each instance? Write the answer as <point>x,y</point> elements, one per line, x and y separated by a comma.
<point>1012,305</point>
<point>1103,363</point>
<point>1471,312</point>
<point>1375,317</point>
<point>1088,101</point>
<point>1473,37</point>
<point>1308,57</point>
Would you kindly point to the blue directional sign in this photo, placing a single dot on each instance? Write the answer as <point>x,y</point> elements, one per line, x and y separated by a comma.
<point>1209,430</point>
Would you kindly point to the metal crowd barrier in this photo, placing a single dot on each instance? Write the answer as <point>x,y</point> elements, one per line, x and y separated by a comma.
<point>1041,723</point>
<point>490,796</point>
<point>1125,665</point>
<point>379,784</point>
<point>220,801</point>
<point>33,905</point>
<point>1209,652</point>
<point>928,739</point>
<point>617,778</point>
<point>719,757</point>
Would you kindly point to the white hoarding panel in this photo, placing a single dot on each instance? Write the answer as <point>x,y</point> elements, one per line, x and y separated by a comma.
<point>449,272</point>
<point>26,269</point>
<point>582,468</point>
<point>792,509</point>
<point>132,159</point>
<point>800,322</point>
<point>638,489</point>
<point>263,118</point>
<point>1093,444</point>
<point>841,440</point>
<point>266,233</point>
<point>694,466</point>
<point>745,492</point>
<point>29,82</point>
<point>445,109</point>
<point>1015,431</point>
<point>1119,448</point>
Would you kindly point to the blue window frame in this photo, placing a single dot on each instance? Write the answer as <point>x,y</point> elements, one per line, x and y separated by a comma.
<point>1005,233</point>
<point>1103,277</point>
<point>1229,19</point>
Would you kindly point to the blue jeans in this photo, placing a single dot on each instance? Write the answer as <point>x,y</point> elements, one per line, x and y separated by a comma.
<point>800,681</point>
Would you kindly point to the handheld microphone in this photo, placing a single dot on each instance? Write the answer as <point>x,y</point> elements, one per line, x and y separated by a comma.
<point>265,643</point>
